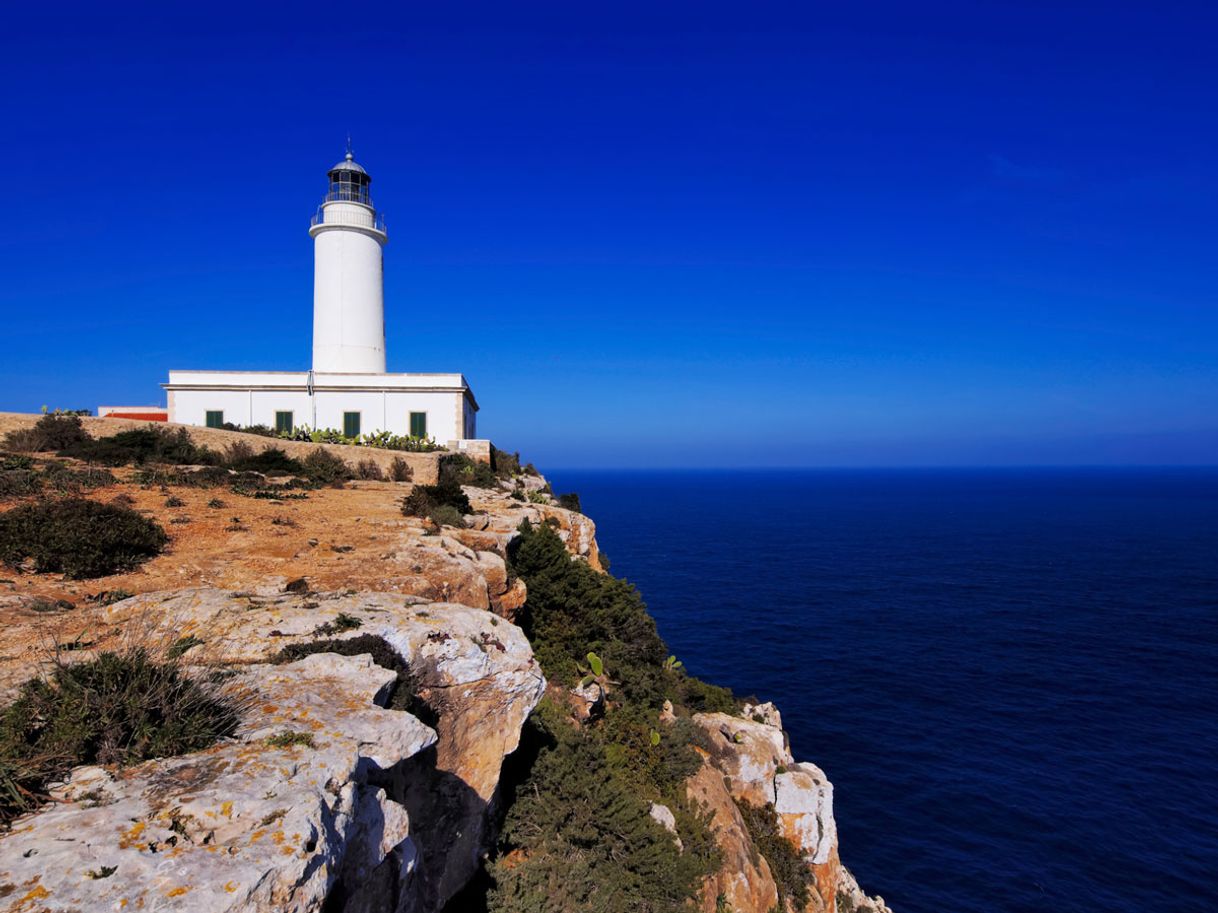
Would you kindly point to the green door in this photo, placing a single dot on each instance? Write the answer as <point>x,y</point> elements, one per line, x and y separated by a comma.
<point>283,421</point>
<point>214,418</point>
<point>351,424</point>
<point>418,424</point>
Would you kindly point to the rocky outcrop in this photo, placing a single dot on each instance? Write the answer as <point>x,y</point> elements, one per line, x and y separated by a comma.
<point>743,880</point>
<point>503,515</point>
<point>331,795</point>
<point>749,755</point>
<point>321,794</point>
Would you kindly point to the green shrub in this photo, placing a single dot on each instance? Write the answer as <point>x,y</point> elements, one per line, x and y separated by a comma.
<point>66,480</point>
<point>791,874</point>
<point>570,501</point>
<point>400,471</point>
<point>423,499</point>
<point>342,622</point>
<point>10,461</point>
<point>51,432</point>
<point>324,468</point>
<point>151,444</point>
<point>18,483</point>
<point>241,457</point>
<point>119,708</point>
<point>506,465</point>
<point>369,471</point>
<point>162,476</point>
<point>573,609</point>
<point>78,537</point>
<point>461,470</point>
<point>446,515</point>
<point>260,430</point>
<point>578,835</point>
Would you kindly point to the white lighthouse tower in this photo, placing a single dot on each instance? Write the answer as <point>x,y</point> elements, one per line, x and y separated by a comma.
<point>347,390</point>
<point>348,281</point>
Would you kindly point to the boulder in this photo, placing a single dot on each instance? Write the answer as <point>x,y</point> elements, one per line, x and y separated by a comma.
<point>342,814</point>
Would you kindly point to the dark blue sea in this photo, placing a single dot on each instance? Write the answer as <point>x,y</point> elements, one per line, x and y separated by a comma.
<point>1010,676</point>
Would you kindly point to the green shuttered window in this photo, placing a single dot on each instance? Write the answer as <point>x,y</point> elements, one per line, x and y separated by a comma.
<point>418,424</point>
<point>283,421</point>
<point>351,424</point>
<point>215,418</point>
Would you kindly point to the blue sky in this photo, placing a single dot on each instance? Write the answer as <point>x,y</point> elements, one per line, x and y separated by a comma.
<point>649,234</point>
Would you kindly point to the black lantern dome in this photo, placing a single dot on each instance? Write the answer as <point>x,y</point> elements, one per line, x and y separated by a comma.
<point>349,183</point>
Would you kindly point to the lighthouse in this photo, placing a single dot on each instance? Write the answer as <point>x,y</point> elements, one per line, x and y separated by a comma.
<point>347,390</point>
<point>348,276</point>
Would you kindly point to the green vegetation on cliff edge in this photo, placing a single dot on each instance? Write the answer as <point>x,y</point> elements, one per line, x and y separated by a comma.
<point>578,835</point>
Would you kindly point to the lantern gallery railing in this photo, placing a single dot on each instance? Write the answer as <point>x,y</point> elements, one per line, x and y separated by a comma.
<point>348,193</point>
<point>349,215</point>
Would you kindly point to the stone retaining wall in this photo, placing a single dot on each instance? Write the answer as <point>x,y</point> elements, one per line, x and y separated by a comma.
<point>424,466</point>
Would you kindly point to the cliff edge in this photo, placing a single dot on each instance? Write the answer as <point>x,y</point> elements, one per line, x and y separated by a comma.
<point>431,717</point>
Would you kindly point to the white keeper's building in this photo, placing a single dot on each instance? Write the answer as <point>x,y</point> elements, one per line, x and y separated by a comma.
<point>347,389</point>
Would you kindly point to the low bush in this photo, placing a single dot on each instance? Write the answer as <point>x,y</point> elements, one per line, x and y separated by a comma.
<point>163,476</point>
<point>506,465</point>
<point>51,432</point>
<point>19,483</point>
<point>19,477</point>
<point>791,874</point>
<point>79,538</point>
<point>459,468</point>
<point>66,480</point>
<point>143,445</point>
<point>424,499</point>
<point>576,834</point>
<point>260,430</point>
<point>241,457</point>
<point>400,471</point>
<point>369,471</point>
<point>446,515</point>
<point>570,501</point>
<point>10,461</point>
<point>572,609</point>
<point>324,468</point>
<point>579,837</point>
<point>119,708</point>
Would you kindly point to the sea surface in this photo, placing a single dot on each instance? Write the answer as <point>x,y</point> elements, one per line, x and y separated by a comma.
<point>1010,676</point>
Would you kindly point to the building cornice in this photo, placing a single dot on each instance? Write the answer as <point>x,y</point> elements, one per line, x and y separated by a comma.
<point>319,388</point>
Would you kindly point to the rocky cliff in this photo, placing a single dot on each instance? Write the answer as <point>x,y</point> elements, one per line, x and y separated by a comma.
<point>382,683</point>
